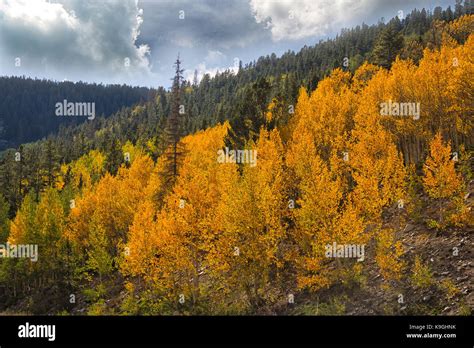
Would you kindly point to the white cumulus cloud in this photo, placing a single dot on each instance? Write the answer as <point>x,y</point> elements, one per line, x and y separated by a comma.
<point>295,20</point>
<point>74,39</point>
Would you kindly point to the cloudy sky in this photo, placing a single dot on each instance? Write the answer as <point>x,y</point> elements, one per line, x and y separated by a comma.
<point>136,42</point>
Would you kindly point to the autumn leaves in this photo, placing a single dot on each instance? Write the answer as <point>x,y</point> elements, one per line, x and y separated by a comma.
<point>443,184</point>
<point>244,236</point>
<point>191,250</point>
<point>238,246</point>
<point>249,236</point>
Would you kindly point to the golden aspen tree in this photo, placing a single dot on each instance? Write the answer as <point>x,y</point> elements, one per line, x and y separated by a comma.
<point>377,171</point>
<point>353,231</point>
<point>139,253</point>
<point>131,152</point>
<point>302,111</point>
<point>444,84</point>
<point>22,228</point>
<point>406,108</point>
<point>113,201</point>
<point>50,223</point>
<point>334,208</point>
<point>320,195</point>
<point>83,172</point>
<point>22,231</point>
<point>184,229</point>
<point>327,114</point>
<point>85,207</point>
<point>459,91</point>
<point>377,176</point>
<point>41,224</point>
<point>388,255</point>
<point>99,257</point>
<point>363,75</point>
<point>318,156</point>
<point>441,182</point>
<point>140,250</point>
<point>439,91</point>
<point>247,258</point>
<point>461,28</point>
<point>376,167</point>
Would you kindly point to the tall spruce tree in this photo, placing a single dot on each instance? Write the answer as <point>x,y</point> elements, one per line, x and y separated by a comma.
<point>50,162</point>
<point>114,154</point>
<point>4,219</point>
<point>388,46</point>
<point>174,148</point>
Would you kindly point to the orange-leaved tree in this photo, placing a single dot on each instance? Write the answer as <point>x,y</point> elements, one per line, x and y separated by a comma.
<point>246,258</point>
<point>441,182</point>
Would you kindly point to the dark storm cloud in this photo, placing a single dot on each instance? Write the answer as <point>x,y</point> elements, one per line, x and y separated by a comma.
<point>210,29</point>
<point>217,24</point>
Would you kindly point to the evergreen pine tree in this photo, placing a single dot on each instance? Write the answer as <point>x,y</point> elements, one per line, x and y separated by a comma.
<point>388,45</point>
<point>114,157</point>
<point>174,148</point>
<point>4,220</point>
<point>51,162</point>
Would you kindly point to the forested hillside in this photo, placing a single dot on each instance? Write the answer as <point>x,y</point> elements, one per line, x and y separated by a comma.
<point>27,106</point>
<point>363,140</point>
<point>242,98</point>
